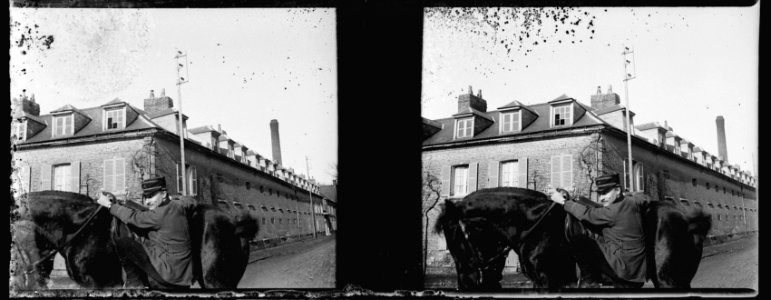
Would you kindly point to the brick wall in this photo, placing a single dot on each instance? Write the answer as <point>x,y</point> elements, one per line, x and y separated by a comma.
<point>89,157</point>
<point>224,179</point>
<point>538,155</point>
<point>673,176</point>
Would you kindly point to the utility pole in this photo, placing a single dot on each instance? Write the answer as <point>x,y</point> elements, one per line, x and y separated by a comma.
<point>628,76</point>
<point>310,196</point>
<point>180,80</point>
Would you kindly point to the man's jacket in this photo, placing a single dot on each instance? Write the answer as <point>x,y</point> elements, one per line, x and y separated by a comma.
<point>622,232</point>
<point>168,239</point>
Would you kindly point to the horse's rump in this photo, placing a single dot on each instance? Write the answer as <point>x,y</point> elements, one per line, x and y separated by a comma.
<point>221,245</point>
<point>675,236</point>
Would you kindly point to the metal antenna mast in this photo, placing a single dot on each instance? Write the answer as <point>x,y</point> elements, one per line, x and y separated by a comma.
<point>628,76</point>
<point>180,80</point>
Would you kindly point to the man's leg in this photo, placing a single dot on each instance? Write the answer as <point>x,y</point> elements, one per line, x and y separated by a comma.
<point>127,252</point>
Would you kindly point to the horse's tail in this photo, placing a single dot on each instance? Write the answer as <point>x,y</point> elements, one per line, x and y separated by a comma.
<point>699,225</point>
<point>448,218</point>
<point>246,226</point>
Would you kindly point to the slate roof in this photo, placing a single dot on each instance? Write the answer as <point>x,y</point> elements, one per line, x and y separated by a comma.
<point>649,125</point>
<point>92,128</point>
<point>329,191</point>
<point>540,124</point>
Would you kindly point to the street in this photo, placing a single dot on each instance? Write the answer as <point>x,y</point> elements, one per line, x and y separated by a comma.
<point>306,264</point>
<point>729,265</point>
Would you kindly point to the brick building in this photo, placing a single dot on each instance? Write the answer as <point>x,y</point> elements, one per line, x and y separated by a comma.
<point>116,145</point>
<point>563,142</point>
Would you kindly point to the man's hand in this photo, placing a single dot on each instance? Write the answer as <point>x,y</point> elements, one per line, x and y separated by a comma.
<point>103,200</point>
<point>555,195</point>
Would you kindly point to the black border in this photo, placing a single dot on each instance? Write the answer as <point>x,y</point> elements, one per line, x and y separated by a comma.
<point>379,90</point>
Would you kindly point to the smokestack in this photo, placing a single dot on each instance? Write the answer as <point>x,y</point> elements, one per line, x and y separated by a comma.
<point>721,143</point>
<point>276,143</point>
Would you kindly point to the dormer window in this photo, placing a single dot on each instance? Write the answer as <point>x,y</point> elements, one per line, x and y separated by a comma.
<point>562,115</point>
<point>464,128</point>
<point>115,119</point>
<point>19,130</point>
<point>63,125</point>
<point>511,122</point>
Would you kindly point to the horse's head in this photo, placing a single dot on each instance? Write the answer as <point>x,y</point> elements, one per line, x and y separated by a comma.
<point>478,247</point>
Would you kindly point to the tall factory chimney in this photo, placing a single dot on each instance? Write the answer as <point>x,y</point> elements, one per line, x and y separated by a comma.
<point>721,143</point>
<point>276,144</point>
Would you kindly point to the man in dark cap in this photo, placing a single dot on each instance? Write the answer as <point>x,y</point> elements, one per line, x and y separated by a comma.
<point>620,249</point>
<point>163,250</point>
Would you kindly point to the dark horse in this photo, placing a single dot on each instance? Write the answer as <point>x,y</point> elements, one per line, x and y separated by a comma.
<point>53,221</point>
<point>482,228</point>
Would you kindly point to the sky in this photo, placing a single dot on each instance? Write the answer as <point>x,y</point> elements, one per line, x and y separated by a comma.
<point>690,65</point>
<point>246,67</point>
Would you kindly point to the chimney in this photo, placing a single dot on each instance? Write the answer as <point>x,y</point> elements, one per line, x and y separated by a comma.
<point>600,100</point>
<point>470,101</point>
<point>276,143</point>
<point>721,142</point>
<point>28,105</point>
<point>155,104</point>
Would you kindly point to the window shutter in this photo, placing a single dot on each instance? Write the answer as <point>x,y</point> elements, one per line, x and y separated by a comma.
<point>75,176</point>
<point>24,184</point>
<point>555,172</point>
<point>492,174</point>
<point>523,172</point>
<point>567,169</point>
<point>107,182</point>
<point>445,181</point>
<point>45,177</point>
<point>472,177</point>
<point>120,175</point>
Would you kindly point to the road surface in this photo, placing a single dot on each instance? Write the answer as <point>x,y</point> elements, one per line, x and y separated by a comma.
<point>307,264</point>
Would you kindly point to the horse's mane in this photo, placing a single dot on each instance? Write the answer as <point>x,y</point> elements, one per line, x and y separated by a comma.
<point>59,204</point>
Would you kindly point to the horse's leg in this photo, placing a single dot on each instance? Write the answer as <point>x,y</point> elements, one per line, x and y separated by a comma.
<point>493,274</point>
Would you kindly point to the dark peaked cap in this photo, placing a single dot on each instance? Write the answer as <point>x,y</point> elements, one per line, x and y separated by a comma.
<point>153,185</point>
<point>607,182</point>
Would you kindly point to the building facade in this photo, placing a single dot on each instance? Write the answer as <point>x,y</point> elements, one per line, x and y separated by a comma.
<point>565,143</point>
<point>113,147</point>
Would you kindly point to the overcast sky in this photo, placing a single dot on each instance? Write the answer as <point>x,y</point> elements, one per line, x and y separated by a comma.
<point>246,67</point>
<point>692,64</point>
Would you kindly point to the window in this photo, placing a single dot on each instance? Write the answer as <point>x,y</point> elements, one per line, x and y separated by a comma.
<point>262,190</point>
<point>272,220</point>
<point>562,115</point>
<point>638,183</point>
<point>115,119</point>
<point>19,130</point>
<point>561,171</point>
<point>464,128</point>
<point>63,125</point>
<point>693,181</point>
<point>459,180</point>
<point>510,173</point>
<point>248,185</point>
<point>61,177</point>
<point>115,175</point>
<point>510,122</point>
<point>707,184</point>
<point>192,180</point>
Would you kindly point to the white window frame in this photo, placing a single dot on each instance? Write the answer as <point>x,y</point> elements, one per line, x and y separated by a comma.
<point>638,182</point>
<point>64,128</point>
<point>110,181</point>
<point>63,177</point>
<point>459,186</point>
<point>19,129</point>
<point>568,116</point>
<point>513,173</point>
<point>468,128</point>
<point>191,178</point>
<point>121,115</point>
<point>561,172</point>
<point>511,128</point>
